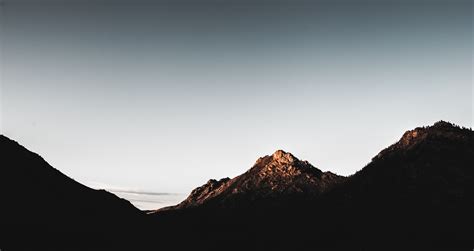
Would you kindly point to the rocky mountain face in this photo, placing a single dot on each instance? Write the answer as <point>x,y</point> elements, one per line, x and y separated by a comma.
<point>279,175</point>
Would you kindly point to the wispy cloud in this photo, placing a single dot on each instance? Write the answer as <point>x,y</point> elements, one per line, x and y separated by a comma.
<point>139,192</point>
<point>141,198</point>
<point>129,190</point>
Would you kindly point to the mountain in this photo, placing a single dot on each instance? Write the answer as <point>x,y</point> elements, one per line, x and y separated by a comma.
<point>418,190</point>
<point>433,161</point>
<point>416,194</point>
<point>278,176</point>
<point>44,208</point>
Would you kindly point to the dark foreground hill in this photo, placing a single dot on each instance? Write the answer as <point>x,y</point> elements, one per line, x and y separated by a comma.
<point>417,194</point>
<point>41,208</point>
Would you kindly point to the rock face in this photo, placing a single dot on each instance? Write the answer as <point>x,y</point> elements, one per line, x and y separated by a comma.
<point>279,175</point>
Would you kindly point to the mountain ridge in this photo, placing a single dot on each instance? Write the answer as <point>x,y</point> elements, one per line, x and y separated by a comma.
<point>417,193</point>
<point>419,134</point>
<point>279,174</point>
<point>282,164</point>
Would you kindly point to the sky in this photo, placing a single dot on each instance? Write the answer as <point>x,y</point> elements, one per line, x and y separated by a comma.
<point>160,96</point>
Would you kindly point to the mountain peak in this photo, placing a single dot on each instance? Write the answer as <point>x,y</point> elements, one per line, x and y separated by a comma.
<point>283,157</point>
<point>440,129</point>
<point>282,165</point>
<point>443,124</point>
<point>278,175</point>
<point>436,135</point>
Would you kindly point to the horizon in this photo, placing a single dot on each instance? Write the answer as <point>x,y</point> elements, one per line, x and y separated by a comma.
<point>163,97</point>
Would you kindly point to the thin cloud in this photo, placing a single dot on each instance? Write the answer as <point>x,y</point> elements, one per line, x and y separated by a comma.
<point>139,192</point>
<point>128,190</point>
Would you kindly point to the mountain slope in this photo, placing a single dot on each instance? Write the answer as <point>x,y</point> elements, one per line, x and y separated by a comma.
<point>41,203</point>
<point>435,162</point>
<point>278,176</point>
<point>418,190</point>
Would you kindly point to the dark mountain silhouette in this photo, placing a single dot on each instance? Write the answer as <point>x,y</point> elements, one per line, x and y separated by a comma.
<point>417,194</point>
<point>43,208</point>
<point>417,191</point>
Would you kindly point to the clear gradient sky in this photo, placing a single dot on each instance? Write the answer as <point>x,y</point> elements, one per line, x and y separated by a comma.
<point>162,96</point>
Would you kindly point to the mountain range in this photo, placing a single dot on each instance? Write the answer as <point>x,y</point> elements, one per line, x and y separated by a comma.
<point>417,194</point>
